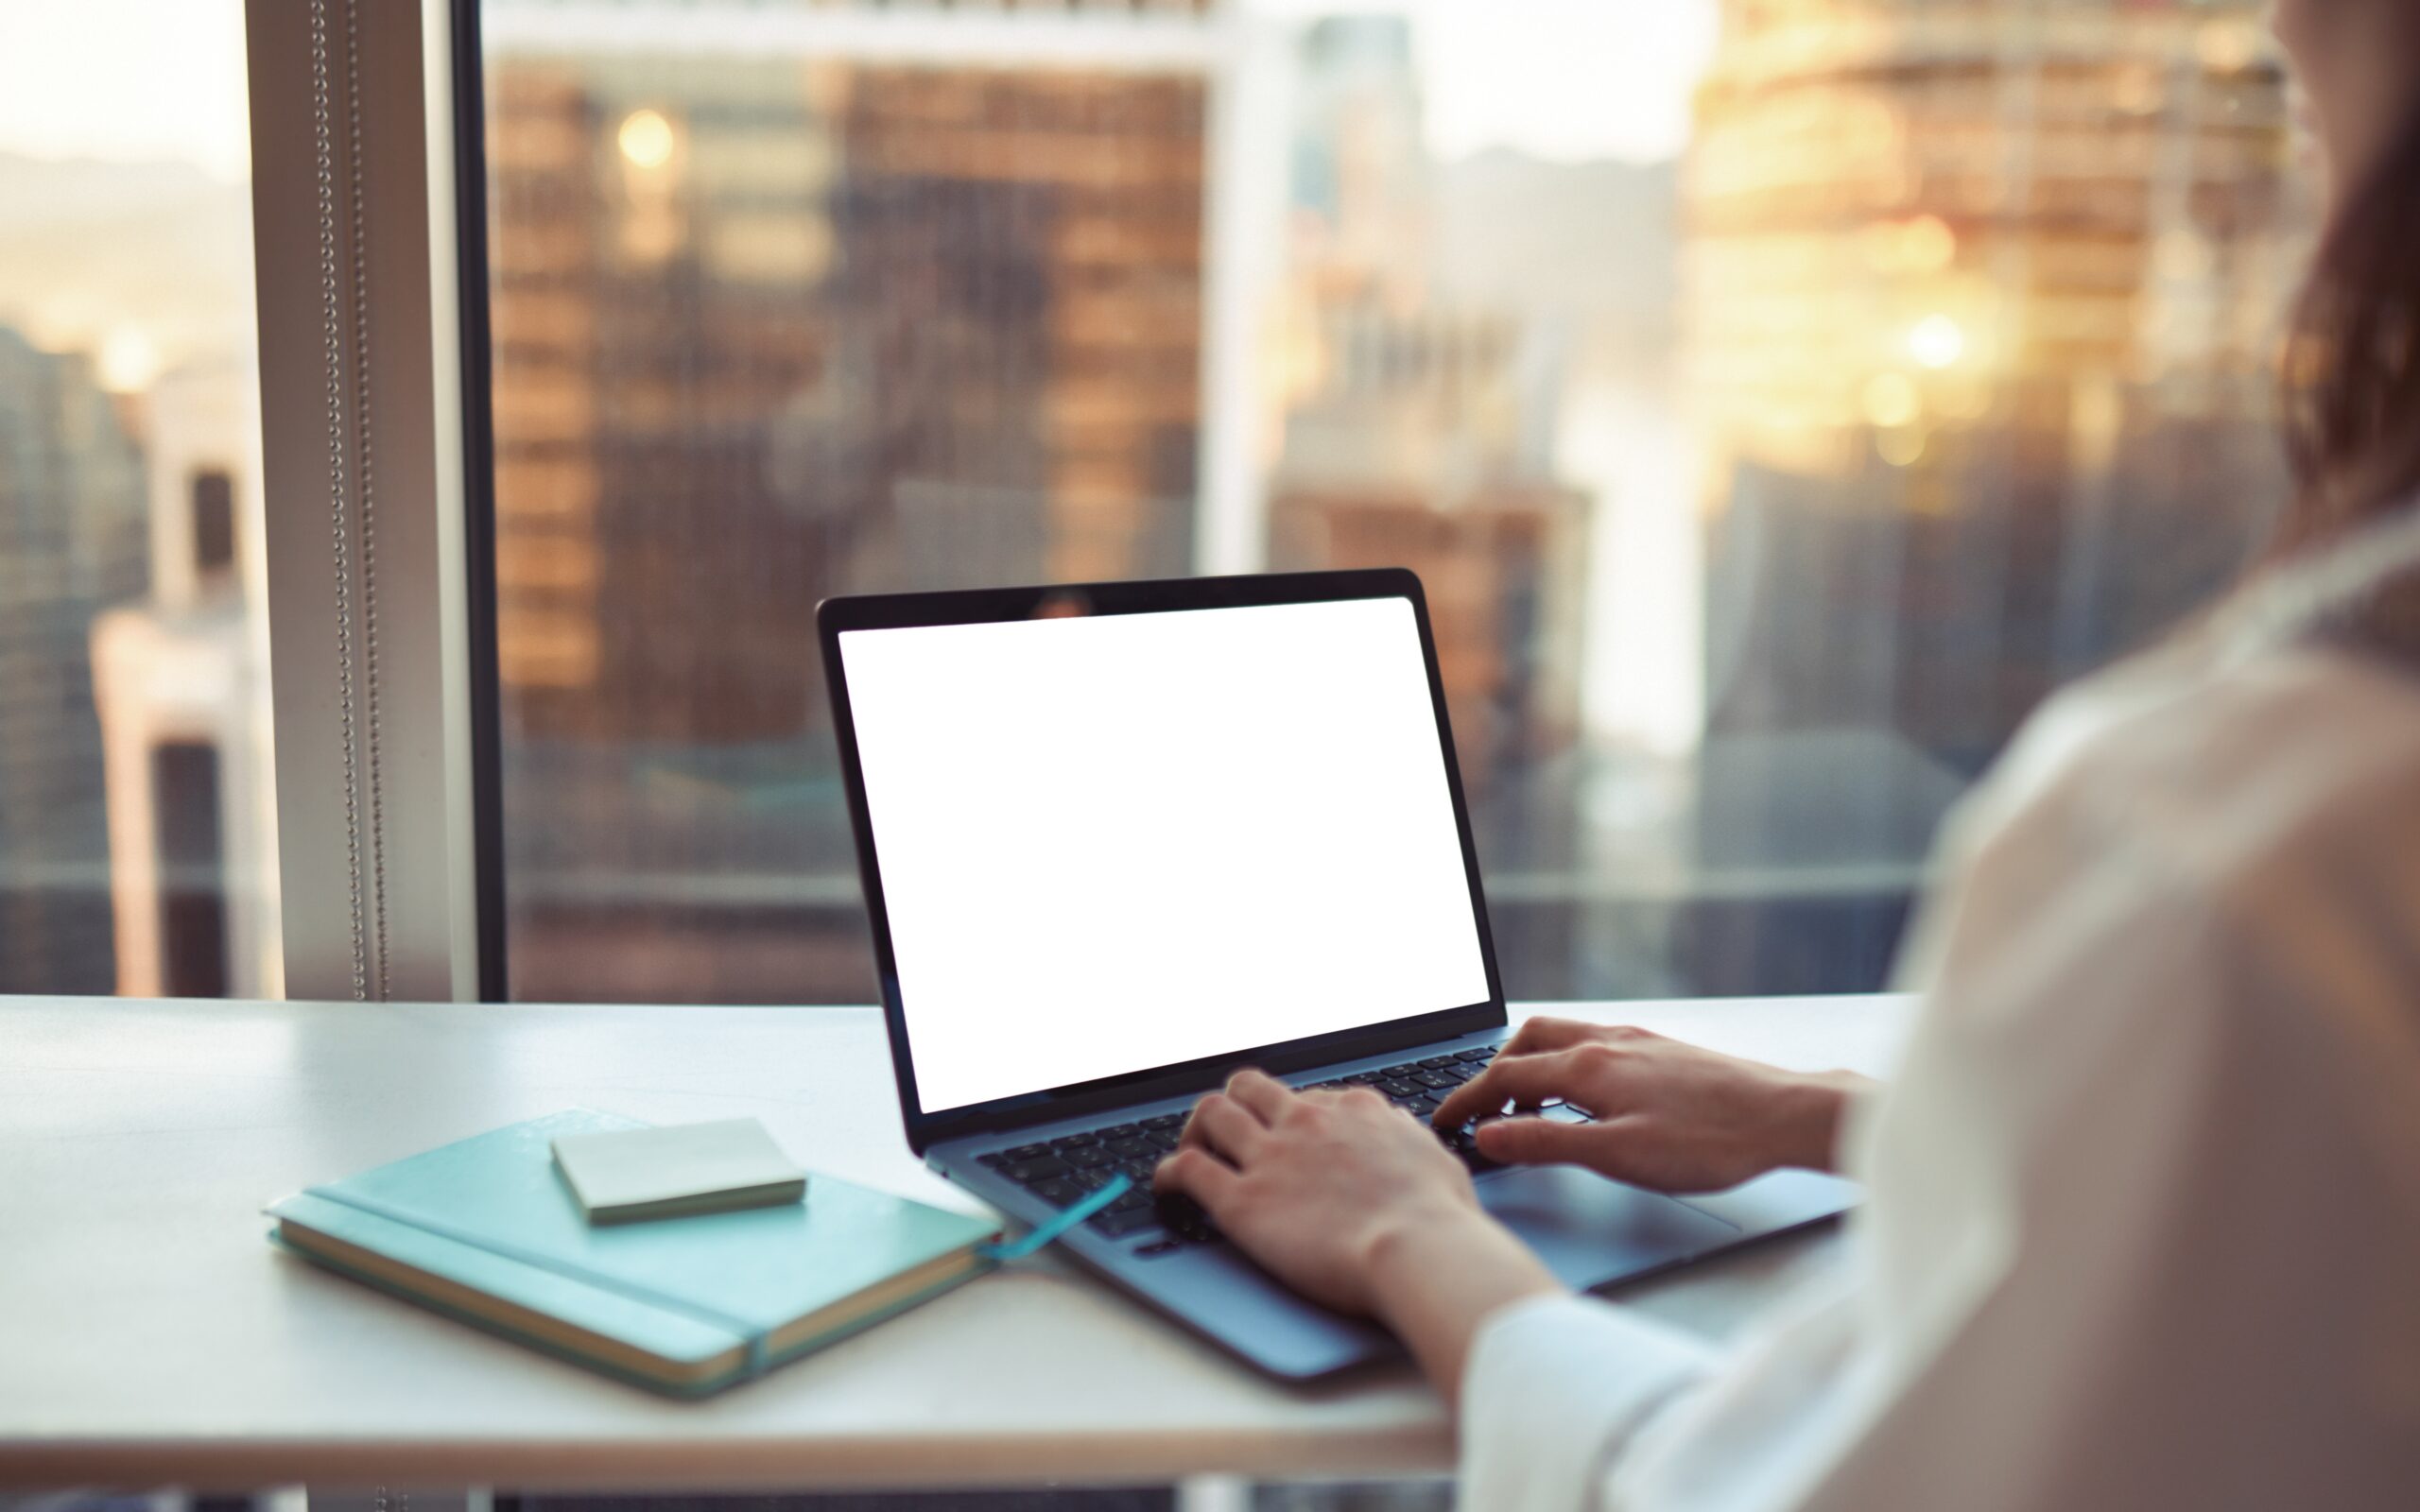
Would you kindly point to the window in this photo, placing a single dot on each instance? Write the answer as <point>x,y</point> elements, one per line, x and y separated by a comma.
<point>1779,398</point>
<point>136,830</point>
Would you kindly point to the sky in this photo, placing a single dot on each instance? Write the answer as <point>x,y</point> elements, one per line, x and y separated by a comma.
<point>125,80</point>
<point>133,80</point>
<point>1568,79</point>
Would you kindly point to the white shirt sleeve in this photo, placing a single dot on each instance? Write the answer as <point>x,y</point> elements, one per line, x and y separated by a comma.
<point>1553,1389</point>
<point>2140,1195</point>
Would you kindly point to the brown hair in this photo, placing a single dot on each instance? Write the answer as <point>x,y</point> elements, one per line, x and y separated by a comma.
<point>2351,375</point>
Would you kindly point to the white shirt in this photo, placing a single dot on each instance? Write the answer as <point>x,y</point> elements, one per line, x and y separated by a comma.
<point>2142,1227</point>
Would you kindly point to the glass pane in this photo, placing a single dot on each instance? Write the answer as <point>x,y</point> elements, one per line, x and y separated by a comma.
<point>137,840</point>
<point>1779,399</point>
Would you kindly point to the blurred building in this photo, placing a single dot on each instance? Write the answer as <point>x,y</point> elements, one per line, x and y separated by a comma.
<point>655,276</point>
<point>1417,428</point>
<point>1978,299</point>
<point>181,681</point>
<point>771,327</point>
<point>72,542</point>
<point>1501,548</point>
<point>1020,299</point>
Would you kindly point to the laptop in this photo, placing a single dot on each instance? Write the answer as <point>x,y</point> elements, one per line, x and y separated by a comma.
<point>1120,839</point>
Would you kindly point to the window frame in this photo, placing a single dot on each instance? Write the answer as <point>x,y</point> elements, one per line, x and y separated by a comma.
<point>361,227</point>
<point>388,914</point>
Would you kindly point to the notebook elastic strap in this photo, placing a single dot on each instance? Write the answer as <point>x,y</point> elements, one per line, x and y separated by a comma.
<point>754,1338</point>
<point>1051,1229</point>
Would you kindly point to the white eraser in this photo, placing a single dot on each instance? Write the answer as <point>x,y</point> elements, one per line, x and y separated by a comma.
<point>680,1168</point>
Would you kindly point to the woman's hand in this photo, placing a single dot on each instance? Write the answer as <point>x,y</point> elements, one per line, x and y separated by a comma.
<point>1666,1115</point>
<point>1357,1206</point>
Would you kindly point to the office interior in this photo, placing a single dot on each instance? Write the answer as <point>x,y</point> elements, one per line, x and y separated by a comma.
<point>427,429</point>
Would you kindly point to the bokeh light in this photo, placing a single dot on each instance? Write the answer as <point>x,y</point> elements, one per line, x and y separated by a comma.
<point>1936,341</point>
<point>645,139</point>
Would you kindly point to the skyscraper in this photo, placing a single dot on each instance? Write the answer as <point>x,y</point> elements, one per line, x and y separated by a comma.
<point>72,542</point>
<point>181,681</point>
<point>1963,269</point>
<point>771,327</point>
<point>1979,307</point>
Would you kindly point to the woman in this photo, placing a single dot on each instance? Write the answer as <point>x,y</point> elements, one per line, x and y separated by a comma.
<point>2143,1227</point>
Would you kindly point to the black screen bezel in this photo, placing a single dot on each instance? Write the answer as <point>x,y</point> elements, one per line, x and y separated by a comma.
<point>837,616</point>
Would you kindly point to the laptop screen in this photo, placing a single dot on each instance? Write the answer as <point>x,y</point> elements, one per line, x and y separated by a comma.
<point>1111,844</point>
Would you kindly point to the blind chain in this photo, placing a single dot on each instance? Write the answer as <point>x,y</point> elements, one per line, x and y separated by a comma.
<point>344,467</point>
<point>365,494</point>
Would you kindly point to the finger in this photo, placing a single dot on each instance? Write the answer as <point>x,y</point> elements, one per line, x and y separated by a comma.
<point>1539,1035</point>
<point>1224,1127</point>
<point>1198,1175</point>
<point>1264,1096</point>
<point>1195,1131</point>
<point>1542,1141</point>
<point>1509,1080</point>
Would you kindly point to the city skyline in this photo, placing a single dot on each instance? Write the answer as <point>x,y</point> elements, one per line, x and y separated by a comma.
<point>1760,492</point>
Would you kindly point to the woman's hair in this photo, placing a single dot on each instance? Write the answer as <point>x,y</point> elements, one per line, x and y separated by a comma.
<point>2351,376</point>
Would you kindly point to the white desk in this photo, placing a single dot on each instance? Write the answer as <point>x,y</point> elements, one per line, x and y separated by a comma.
<point>149,1335</point>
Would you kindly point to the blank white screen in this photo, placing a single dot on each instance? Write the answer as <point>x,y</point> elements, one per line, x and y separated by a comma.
<point>1115,843</point>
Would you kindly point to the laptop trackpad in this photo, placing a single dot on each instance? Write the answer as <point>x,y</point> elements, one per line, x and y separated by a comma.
<point>1590,1231</point>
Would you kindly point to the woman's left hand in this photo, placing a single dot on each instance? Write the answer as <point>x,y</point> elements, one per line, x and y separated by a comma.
<point>1355,1204</point>
<point>1314,1184</point>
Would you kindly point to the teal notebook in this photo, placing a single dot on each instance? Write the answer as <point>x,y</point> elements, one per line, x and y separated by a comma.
<point>485,1230</point>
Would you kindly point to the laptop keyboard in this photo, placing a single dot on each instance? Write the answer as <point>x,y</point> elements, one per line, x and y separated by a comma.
<point>1062,1171</point>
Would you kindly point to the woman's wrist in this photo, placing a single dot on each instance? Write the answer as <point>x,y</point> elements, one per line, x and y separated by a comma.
<point>1436,1277</point>
<point>1814,1105</point>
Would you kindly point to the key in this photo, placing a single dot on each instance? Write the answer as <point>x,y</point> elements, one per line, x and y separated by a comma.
<point>1029,1172</point>
<point>1184,1216</point>
<point>1026,1152</point>
<point>1118,1224</point>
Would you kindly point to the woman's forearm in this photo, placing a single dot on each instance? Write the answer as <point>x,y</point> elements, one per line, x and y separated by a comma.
<point>1436,1282</point>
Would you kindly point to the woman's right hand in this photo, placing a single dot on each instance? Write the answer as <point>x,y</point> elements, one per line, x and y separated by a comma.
<point>1664,1115</point>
